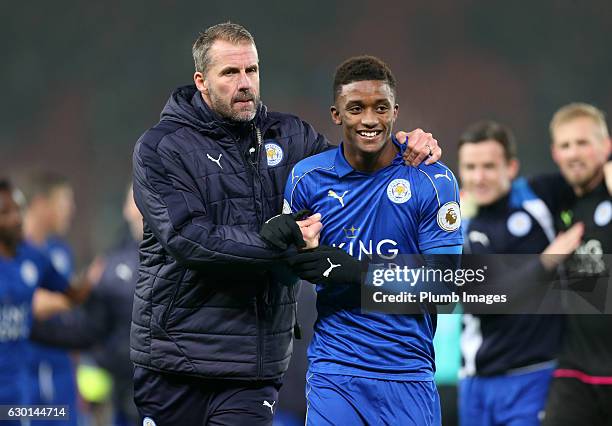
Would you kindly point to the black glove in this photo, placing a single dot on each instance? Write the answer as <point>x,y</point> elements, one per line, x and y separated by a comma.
<point>282,230</point>
<point>328,265</point>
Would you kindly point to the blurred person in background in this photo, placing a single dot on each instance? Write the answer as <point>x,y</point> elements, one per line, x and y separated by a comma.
<point>581,392</point>
<point>214,312</point>
<point>49,213</point>
<point>25,272</point>
<point>508,360</point>
<point>102,325</point>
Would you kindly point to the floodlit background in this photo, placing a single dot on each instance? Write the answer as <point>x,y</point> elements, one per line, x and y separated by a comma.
<point>80,81</point>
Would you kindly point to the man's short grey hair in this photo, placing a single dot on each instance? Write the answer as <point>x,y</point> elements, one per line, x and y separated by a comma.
<point>226,31</point>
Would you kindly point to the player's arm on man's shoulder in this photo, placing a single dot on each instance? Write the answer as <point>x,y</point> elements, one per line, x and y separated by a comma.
<point>172,206</point>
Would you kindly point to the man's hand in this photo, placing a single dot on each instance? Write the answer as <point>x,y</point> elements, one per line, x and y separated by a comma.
<point>420,146</point>
<point>562,247</point>
<point>283,230</point>
<point>327,265</point>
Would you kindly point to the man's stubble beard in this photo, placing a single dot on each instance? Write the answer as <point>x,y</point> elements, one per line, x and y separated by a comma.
<point>226,111</point>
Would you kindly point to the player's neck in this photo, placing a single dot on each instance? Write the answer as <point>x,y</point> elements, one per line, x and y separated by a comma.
<point>594,182</point>
<point>370,162</point>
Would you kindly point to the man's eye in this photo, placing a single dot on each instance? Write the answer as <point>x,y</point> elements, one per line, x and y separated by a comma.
<point>355,110</point>
<point>382,108</point>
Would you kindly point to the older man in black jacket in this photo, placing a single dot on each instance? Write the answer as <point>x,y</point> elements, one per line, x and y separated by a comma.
<point>214,308</point>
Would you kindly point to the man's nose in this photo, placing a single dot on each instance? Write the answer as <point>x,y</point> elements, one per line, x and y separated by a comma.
<point>478,176</point>
<point>572,151</point>
<point>244,83</point>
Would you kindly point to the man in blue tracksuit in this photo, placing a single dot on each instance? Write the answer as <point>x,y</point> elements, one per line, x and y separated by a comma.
<point>370,367</point>
<point>507,359</point>
<point>214,306</point>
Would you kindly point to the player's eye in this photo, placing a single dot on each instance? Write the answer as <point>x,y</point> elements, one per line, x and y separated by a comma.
<point>355,109</point>
<point>382,109</point>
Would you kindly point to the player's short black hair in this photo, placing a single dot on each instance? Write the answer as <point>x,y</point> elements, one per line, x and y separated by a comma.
<point>362,68</point>
<point>490,130</point>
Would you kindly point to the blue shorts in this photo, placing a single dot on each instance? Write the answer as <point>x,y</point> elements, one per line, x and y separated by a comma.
<point>511,399</point>
<point>337,400</point>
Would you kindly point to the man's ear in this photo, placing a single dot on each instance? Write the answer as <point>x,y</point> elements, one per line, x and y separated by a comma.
<point>201,82</point>
<point>335,115</point>
<point>514,167</point>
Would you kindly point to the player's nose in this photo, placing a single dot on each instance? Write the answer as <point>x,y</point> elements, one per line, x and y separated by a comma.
<point>369,119</point>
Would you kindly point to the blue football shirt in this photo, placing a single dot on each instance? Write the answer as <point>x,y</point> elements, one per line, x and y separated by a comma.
<point>396,210</point>
<point>19,278</point>
<point>60,254</point>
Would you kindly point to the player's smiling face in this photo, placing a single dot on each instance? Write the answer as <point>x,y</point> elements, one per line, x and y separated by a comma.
<point>366,110</point>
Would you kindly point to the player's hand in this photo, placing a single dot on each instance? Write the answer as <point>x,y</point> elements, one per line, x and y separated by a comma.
<point>47,303</point>
<point>311,230</point>
<point>562,247</point>
<point>282,231</point>
<point>327,265</point>
<point>420,146</point>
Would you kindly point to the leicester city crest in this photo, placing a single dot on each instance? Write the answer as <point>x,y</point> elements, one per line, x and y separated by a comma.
<point>398,191</point>
<point>274,154</point>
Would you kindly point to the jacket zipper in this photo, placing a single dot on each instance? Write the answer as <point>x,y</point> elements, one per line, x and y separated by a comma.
<point>259,303</point>
<point>256,169</point>
<point>260,342</point>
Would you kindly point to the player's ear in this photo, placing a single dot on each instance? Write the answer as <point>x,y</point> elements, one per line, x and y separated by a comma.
<point>335,115</point>
<point>395,111</point>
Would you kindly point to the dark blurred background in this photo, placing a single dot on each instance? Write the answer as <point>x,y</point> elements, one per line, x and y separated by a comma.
<point>80,81</point>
